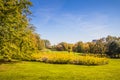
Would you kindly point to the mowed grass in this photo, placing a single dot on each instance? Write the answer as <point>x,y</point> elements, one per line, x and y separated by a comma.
<point>45,71</point>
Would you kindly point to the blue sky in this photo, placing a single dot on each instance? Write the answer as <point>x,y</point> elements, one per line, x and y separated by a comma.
<point>76,20</point>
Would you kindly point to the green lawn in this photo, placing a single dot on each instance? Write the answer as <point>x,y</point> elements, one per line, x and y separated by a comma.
<point>42,71</point>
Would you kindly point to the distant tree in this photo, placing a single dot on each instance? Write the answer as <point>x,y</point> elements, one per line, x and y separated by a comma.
<point>114,49</point>
<point>78,47</point>
<point>47,44</point>
<point>91,47</point>
<point>110,38</point>
<point>86,48</point>
<point>59,47</point>
<point>41,44</point>
<point>99,47</point>
<point>70,47</point>
<point>63,46</point>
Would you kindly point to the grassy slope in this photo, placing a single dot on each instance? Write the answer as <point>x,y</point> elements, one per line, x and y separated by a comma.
<point>42,71</point>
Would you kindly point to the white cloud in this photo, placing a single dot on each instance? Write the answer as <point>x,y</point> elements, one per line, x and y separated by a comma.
<point>72,27</point>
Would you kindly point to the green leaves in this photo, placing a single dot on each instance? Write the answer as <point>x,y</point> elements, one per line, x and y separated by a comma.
<point>14,36</point>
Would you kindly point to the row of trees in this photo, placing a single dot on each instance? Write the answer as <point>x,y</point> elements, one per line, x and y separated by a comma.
<point>17,36</point>
<point>109,45</point>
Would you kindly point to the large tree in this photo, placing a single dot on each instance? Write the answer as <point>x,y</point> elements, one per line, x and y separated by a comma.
<point>14,31</point>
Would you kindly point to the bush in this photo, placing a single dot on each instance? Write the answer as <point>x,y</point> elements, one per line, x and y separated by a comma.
<point>65,58</point>
<point>5,59</point>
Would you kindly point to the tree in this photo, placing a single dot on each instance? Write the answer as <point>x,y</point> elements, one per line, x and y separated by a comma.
<point>70,47</point>
<point>14,32</point>
<point>114,49</point>
<point>47,43</point>
<point>63,46</point>
<point>99,47</point>
<point>86,48</point>
<point>78,47</point>
<point>91,47</point>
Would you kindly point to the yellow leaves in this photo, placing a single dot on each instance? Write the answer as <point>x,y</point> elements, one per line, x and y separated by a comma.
<point>65,58</point>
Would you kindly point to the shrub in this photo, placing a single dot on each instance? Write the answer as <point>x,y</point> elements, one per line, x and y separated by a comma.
<point>5,59</point>
<point>65,58</point>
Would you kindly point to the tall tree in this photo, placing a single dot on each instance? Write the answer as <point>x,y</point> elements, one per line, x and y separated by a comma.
<point>14,26</point>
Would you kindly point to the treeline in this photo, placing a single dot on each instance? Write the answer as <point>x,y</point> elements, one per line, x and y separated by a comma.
<point>17,36</point>
<point>109,45</point>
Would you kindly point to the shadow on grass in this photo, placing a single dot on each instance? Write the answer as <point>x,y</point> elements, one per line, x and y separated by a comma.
<point>9,62</point>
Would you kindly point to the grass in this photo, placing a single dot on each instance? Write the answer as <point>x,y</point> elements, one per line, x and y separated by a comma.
<point>43,71</point>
